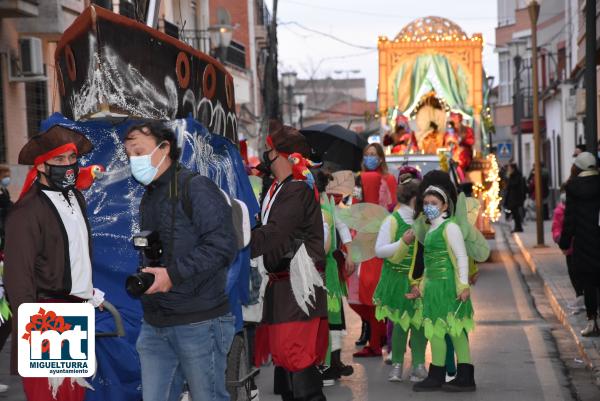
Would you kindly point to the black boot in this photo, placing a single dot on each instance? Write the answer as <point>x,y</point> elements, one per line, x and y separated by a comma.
<point>338,365</point>
<point>365,333</point>
<point>308,385</point>
<point>465,379</point>
<point>435,378</point>
<point>282,383</point>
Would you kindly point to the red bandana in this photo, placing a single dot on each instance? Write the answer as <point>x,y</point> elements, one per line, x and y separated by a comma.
<point>32,175</point>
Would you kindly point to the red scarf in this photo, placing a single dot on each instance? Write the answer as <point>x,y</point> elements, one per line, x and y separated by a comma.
<point>32,175</point>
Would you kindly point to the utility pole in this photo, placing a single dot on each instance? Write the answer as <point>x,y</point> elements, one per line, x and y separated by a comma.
<point>591,118</point>
<point>271,89</point>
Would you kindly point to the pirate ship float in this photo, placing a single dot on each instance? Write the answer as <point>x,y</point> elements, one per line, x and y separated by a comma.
<point>111,65</point>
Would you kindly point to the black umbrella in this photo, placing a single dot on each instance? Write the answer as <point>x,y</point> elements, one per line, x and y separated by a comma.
<point>336,146</point>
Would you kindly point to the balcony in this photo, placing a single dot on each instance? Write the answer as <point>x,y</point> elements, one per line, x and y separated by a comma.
<point>200,40</point>
<point>18,8</point>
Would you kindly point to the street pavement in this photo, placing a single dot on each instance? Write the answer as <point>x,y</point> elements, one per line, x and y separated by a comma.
<point>512,347</point>
<point>514,352</point>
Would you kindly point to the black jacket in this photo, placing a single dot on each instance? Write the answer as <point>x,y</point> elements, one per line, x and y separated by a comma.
<point>515,191</point>
<point>197,252</point>
<point>581,223</point>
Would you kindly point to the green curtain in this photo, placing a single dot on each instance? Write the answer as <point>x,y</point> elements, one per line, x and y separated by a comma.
<point>454,88</point>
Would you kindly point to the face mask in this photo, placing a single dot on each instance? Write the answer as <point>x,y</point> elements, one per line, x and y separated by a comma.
<point>5,181</point>
<point>371,162</point>
<point>266,161</point>
<point>62,177</point>
<point>432,212</point>
<point>142,169</point>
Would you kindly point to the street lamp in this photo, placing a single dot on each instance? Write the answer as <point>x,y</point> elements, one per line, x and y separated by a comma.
<point>220,38</point>
<point>288,79</point>
<point>534,12</point>
<point>514,48</point>
<point>490,84</point>
<point>301,101</point>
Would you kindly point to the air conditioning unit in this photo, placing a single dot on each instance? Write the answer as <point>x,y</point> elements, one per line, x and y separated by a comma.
<point>31,56</point>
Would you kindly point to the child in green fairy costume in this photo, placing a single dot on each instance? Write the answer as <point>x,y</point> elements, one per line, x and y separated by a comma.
<point>445,294</point>
<point>335,234</point>
<point>395,243</point>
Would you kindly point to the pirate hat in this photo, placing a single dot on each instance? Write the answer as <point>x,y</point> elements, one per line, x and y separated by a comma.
<point>286,139</point>
<point>51,139</point>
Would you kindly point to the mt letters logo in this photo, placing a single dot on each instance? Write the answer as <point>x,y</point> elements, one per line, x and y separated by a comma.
<point>56,340</point>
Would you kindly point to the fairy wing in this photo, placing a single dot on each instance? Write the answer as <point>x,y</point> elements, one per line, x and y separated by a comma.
<point>420,227</point>
<point>363,217</point>
<point>366,219</point>
<point>466,215</point>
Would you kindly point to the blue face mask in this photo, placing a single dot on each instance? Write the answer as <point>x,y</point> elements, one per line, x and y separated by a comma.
<point>432,212</point>
<point>142,169</point>
<point>371,162</point>
<point>5,181</point>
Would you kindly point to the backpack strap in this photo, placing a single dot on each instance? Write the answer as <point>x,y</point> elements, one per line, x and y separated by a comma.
<point>185,196</point>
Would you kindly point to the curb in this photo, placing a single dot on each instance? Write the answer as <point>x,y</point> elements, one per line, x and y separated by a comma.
<point>589,354</point>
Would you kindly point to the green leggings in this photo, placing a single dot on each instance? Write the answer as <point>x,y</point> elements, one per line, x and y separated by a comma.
<point>418,343</point>
<point>439,348</point>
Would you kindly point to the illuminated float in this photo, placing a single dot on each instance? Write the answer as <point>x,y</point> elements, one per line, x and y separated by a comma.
<point>432,72</point>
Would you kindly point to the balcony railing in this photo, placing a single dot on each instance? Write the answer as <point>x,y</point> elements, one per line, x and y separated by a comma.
<point>200,40</point>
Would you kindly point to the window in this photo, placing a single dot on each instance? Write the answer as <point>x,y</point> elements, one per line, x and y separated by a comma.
<point>223,16</point>
<point>506,12</point>
<point>2,128</point>
<point>505,84</point>
<point>36,94</point>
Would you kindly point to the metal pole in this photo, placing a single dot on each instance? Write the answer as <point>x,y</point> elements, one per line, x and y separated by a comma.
<point>290,111</point>
<point>301,109</point>
<point>534,11</point>
<point>517,110</point>
<point>591,118</point>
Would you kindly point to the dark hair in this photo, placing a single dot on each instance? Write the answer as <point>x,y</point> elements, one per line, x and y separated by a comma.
<point>322,178</point>
<point>581,147</point>
<point>161,133</point>
<point>440,179</point>
<point>4,169</point>
<point>408,188</point>
<point>441,198</point>
<point>433,125</point>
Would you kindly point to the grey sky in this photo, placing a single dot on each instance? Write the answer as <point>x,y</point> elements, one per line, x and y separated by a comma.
<point>360,23</point>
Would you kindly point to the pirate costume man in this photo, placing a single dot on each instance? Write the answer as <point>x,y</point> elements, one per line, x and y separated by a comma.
<point>48,245</point>
<point>289,244</point>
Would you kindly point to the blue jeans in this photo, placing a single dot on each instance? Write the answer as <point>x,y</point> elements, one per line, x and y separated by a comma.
<point>195,353</point>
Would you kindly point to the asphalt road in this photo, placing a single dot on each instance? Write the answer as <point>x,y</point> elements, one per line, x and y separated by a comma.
<point>514,353</point>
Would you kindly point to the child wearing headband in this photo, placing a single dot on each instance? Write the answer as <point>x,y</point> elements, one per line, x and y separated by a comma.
<point>396,245</point>
<point>445,294</point>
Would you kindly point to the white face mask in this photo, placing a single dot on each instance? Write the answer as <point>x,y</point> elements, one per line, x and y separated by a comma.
<point>142,169</point>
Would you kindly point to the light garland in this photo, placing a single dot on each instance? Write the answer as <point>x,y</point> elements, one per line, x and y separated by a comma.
<point>491,196</point>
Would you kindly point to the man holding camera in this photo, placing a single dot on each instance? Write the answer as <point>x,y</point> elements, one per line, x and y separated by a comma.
<point>48,244</point>
<point>289,245</point>
<point>187,329</point>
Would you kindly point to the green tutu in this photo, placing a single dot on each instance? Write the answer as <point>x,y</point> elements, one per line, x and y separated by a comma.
<point>394,284</point>
<point>441,313</point>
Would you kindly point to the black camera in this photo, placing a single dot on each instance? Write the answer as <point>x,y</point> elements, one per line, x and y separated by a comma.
<point>149,245</point>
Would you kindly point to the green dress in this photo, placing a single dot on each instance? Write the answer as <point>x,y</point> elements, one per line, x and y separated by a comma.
<point>336,288</point>
<point>395,283</point>
<point>442,313</point>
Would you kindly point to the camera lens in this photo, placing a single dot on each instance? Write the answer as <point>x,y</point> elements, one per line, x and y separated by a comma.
<point>137,284</point>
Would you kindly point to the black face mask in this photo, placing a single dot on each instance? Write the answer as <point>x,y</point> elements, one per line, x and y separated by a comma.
<point>266,162</point>
<point>62,177</point>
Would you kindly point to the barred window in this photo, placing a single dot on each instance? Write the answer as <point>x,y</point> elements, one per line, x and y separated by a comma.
<point>36,94</point>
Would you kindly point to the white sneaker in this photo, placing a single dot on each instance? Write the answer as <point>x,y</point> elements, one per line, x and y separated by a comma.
<point>396,373</point>
<point>254,395</point>
<point>591,329</point>
<point>185,396</point>
<point>418,374</point>
<point>388,358</point>
<point>3,388</point>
